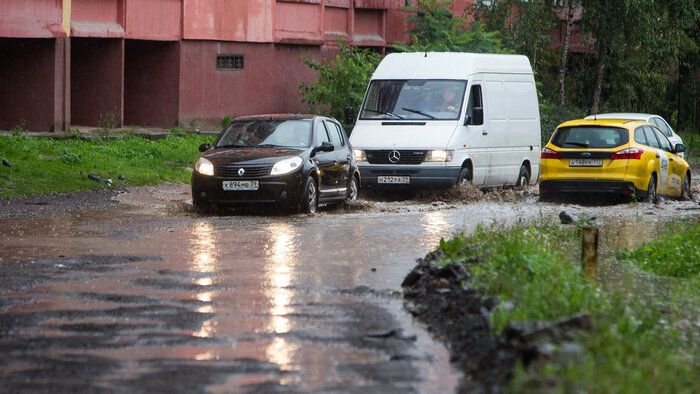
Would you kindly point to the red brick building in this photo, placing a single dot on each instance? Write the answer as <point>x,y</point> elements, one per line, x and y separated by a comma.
<point>166,62</point>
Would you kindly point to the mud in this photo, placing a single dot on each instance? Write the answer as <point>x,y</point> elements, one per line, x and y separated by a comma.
<point>441,299</point>
<point>59,202</point>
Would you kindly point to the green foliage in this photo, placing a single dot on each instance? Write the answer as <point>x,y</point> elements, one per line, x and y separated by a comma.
<point>629,350</point>
<point>19,129</point>
<point>525,25</point>
<point>107,123</point>
<point>639,56</point>
<point>225,121</point>
<point>341,82</point>
<point>524,265</point>
<point>634,345</point>
<point>437,30</point>
<point>178,130</point>
<point>676,253</point>
<point>552,115</point>
<point>35,170</point>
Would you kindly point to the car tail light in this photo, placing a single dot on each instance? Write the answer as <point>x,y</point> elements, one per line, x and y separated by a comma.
<point>549,154</point>
<point>629,153</point>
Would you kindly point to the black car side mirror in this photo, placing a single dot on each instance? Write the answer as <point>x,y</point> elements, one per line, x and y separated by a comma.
<point>204,147</point>
<point>324,147</point>
<point>349,115</point>
<point>679,148</point>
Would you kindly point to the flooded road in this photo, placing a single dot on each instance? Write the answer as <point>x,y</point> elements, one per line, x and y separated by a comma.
<point>144,296</point>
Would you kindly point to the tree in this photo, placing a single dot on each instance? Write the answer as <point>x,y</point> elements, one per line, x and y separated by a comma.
<point>570,6</point>
<point>637,43</point>
<point>341,82</point>
<point>524,25</point>
<point>437,30</point>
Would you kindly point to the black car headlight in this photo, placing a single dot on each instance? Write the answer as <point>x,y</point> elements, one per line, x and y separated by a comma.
<point>286,166</point>
<point>204,167</point>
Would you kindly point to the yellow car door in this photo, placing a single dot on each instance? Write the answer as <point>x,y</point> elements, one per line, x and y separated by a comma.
<point>672,164</point>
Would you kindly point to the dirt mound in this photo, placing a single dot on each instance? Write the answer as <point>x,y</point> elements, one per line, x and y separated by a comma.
<point>459,314</point>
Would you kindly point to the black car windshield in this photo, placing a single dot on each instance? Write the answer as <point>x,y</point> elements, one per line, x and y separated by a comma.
<point>426,99</point>
<point>590,137</point>
<point>264,133</point>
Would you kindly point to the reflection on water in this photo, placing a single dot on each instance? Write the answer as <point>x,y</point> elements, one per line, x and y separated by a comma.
<point>203,248</point>
<point>281,253</point>
<point>436,226</point>
<point>281,352</point>
<point>207,331</point>
<point>204,258</point>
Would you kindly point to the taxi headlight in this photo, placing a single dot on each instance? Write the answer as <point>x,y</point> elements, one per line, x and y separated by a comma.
<point>204,167</point>
<point>286,166</point>
<point>439,155</point>
<point>359,155</point>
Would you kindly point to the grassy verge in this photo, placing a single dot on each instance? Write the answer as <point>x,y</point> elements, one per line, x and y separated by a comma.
<point>44,165</point>
<point>634,345</point>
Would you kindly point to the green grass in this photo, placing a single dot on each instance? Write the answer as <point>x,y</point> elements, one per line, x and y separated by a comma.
<point>635,345</point>
<point>676,254</point>
<point>44,165</point>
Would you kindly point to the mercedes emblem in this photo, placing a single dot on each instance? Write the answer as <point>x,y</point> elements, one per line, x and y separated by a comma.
<point>241,171</point>
<point>394,156</point>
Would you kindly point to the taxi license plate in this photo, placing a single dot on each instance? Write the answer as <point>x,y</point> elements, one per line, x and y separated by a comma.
<point>241,185</point>
<point>585,162</point>
<point>394,179</point>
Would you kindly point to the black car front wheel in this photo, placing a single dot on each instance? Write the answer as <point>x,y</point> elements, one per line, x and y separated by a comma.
<point>309,199</point>
<point>353,189</point>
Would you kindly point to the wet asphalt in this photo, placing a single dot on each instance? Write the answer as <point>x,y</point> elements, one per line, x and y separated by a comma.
<point>142,295</point>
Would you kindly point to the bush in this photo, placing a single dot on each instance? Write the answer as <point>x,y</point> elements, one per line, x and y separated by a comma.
<point>341,83</point>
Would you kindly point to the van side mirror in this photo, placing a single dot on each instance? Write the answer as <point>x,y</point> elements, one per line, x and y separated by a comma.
<point>679,148</point>
<point>349,113</point>
<point>477,117</point>
<point>204,147</point>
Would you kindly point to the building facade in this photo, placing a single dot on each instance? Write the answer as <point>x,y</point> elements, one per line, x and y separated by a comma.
<point>169,62</point>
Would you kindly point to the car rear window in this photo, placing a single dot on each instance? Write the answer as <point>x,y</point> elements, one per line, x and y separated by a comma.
<point>590,137</point>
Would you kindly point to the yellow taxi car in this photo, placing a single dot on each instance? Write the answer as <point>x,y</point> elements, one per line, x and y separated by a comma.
<point>613,156</point>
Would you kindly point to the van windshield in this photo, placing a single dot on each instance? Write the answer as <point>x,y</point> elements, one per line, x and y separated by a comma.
<point>431,99</point>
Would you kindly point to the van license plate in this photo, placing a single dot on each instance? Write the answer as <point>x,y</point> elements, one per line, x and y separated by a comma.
<point>394,179</point>
<point>241,185</point>
<point>585,162</point>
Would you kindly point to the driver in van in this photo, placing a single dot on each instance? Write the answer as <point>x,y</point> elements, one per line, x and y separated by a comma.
<point>449,100</point>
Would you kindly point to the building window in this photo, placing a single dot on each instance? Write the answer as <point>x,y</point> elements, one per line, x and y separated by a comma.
<point>229,62</point>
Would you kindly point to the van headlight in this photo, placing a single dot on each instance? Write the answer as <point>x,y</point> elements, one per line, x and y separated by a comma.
<point>286,166</point>
<point>439,155</point>
<point>359,155</point>
<point>204,167</point>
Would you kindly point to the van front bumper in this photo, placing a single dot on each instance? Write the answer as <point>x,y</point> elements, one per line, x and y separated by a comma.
<point>419,176</point>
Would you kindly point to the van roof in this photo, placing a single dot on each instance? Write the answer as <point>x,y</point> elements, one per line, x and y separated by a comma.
<point>448,65</point>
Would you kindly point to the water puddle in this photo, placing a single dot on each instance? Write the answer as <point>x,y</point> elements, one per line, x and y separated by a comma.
<point>150,294</point>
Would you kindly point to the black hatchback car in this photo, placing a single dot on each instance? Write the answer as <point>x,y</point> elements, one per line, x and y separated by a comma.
<point>292,161</point>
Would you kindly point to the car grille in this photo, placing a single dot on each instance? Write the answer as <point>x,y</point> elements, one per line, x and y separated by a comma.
<point>407,156</point>
<point>251,171</point>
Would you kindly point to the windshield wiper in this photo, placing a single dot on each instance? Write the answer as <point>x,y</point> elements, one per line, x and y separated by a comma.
<point>383,113</point>
<point>232,146</point>
<point>581,144</point>
<point>415,111</point>
<point>267,146</point>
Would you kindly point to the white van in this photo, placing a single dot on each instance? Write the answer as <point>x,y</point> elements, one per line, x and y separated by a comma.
<point>435,119</point>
